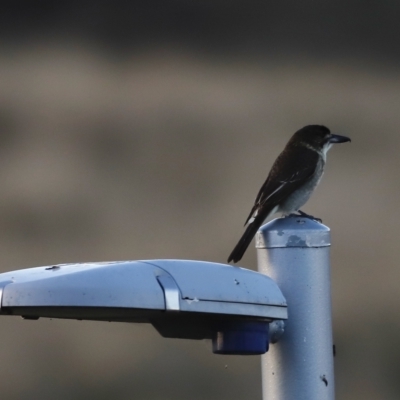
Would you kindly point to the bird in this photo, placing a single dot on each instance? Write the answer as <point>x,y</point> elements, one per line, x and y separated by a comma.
<point>293,177</point>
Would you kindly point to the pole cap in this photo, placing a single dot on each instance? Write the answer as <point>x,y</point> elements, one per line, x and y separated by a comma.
<point>293,232</point>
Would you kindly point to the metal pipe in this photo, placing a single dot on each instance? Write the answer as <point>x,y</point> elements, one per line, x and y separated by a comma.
<point>294,252</point>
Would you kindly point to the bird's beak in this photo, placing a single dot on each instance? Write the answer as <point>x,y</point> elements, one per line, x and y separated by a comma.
<point>339,139</point>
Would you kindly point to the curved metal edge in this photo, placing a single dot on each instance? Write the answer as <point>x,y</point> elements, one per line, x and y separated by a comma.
<point>2,286</point>
<point>171,290</point>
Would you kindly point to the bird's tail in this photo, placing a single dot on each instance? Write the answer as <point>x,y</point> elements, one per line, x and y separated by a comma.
<point>245,240</point>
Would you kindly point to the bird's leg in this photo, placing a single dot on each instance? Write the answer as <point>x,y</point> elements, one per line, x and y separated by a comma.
<point>305,215</point>
<point>291,215</point>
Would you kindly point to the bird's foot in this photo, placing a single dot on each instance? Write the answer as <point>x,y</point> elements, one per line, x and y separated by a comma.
<point>304,215</point>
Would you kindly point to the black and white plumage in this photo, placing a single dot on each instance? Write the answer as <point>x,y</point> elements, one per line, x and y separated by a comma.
<point>291,181</point>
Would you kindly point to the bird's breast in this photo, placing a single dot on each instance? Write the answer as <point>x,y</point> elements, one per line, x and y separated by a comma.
<point>300,196</point>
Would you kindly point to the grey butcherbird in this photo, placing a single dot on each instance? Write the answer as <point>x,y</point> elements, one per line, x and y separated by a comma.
<point>291,181</point>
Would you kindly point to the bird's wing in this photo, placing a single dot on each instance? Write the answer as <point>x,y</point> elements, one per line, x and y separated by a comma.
<point>284,178</point>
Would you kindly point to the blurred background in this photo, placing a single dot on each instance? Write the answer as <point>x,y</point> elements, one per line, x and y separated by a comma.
<point>139,130</point>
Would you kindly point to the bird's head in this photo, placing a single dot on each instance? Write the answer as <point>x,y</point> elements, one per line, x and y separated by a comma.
<point>316,137</point>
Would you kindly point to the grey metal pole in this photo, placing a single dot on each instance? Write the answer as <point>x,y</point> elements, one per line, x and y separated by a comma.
<point>294,252</point>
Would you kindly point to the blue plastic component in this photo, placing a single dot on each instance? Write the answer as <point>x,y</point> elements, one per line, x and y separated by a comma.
<point>241,338</point>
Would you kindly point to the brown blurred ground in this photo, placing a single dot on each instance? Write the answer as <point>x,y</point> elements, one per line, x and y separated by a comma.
<point>159,154</point>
